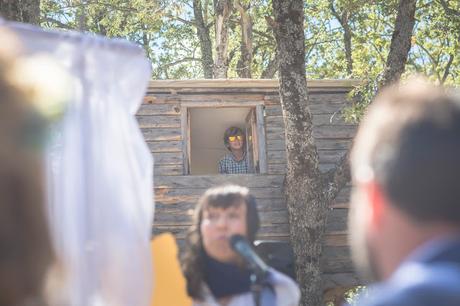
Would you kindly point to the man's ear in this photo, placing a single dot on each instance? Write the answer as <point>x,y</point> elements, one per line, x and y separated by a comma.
<point>377,201</point>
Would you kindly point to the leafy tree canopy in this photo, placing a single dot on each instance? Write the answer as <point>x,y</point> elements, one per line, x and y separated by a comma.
<point>168,31</point>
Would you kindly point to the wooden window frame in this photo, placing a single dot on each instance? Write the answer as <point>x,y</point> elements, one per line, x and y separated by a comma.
<point>185,130</point>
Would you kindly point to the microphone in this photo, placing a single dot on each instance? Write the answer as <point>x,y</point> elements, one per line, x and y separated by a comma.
<point>241,246</point>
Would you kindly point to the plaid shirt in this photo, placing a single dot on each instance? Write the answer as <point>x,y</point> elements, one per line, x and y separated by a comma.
<point>228,165</point>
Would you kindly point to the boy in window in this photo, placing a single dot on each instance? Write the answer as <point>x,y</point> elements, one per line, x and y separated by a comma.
<point>234,162</point>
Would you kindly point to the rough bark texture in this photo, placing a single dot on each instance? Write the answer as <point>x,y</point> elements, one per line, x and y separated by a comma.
<point>343,20</point>
<point>303,186</point>
<point>337,178</point>
<point>81,17</point>
<point>27,11</point>
<point>400,42</point>
<point>271,69</point>
<point>244,64</point>
<point>205,40</point>
<point>223,9</point>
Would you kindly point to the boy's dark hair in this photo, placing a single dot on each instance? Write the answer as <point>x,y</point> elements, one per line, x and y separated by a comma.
<point>231,131</point>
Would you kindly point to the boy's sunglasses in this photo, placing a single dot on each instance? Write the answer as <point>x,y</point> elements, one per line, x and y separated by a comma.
<point>233,138</point>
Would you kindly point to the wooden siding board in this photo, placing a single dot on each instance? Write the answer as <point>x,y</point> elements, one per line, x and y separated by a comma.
<point>321,144</point>
<point>346,279</point>
<point>169,158</point>
<point>315,109</point>
<point>323,132</point>
<point>344,195</point>
<point>165,134</point>
<point>279,169</point>
<point>181,217</point>
<point>325,156</point>
<point>318,120</point>
<point>165,170</point>
<point>158,109</point>
<point>182,214</point>
<point>161,121</point>
<point>164,146</point>
<point>336,220</point>
<point>336,259</point>
<point>206,181</point>
<point>179,193</point>
<point>262,205</point>
<point>319,97</point>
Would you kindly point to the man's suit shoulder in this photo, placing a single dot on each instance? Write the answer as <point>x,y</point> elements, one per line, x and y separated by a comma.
<point>419,284</point>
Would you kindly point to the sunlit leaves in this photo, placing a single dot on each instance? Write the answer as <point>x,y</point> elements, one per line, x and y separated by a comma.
<point>166,30</point>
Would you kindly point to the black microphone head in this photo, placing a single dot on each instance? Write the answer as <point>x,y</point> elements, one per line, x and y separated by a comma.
<point>235,239</point>
<point>243,248</point>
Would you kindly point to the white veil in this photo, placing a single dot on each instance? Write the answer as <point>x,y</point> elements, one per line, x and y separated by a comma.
<point>100,189</point>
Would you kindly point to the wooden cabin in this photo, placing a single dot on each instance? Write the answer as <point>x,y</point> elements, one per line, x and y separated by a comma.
<point>183,123</point>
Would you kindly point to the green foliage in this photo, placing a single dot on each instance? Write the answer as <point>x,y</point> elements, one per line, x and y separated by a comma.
<point>167,32</point>
<point>351,296</point>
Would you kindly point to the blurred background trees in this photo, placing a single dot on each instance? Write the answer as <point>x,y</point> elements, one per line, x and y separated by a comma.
<point>190,39</point>
<point>343,38</point>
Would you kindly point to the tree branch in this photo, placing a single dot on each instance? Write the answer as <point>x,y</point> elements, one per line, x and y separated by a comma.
<point>400,42</point>
<point>185,59</point>
<point>335,179</point>
<point>181,20</point>
<point>448,10</point>
<point>58,23</point>
<point>447,70</point>
<point>267,36</point>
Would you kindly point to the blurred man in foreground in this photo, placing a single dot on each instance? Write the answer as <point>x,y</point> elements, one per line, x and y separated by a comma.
<point>405,212</point>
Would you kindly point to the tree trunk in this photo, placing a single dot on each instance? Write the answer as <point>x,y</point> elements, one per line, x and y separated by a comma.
<point>271,69</point>
<point>400,42</point>
<point>81,17</point>
<point>347,41</point>
<point>205,40</point>
<point>223,9</point>
<point>305,200</point>
<point>343,20</point>
<point>27,11</point>
<point>244,64</point>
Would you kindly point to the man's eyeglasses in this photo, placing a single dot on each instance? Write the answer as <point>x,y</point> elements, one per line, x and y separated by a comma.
<point>234,138</point>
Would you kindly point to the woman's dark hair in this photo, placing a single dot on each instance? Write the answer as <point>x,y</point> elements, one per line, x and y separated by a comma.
<point>231,131</point>
<point>193,256</point>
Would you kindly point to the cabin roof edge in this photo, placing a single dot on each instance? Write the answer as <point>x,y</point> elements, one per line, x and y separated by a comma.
<point>247,83</point>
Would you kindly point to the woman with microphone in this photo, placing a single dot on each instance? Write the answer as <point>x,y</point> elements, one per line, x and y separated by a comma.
<point>217,275</point>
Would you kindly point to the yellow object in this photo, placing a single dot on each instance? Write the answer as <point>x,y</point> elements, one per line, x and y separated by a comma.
<point>169,283</point>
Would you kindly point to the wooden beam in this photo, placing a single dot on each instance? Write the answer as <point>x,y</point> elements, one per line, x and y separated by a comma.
<point>185,139</point>
<point>222,104</point>
<point>246,83</point>
<point>261,139</point>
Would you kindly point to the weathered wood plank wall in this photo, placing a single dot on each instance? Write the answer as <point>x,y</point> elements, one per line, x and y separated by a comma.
<point>175,194</point>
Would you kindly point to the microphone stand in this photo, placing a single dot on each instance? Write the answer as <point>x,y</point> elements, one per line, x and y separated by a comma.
<point>258,281</point>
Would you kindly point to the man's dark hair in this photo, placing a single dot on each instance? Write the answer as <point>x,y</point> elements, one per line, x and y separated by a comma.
<point>411,142</point>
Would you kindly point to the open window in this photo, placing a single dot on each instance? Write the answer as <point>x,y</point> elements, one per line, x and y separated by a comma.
<point>203,137</point>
